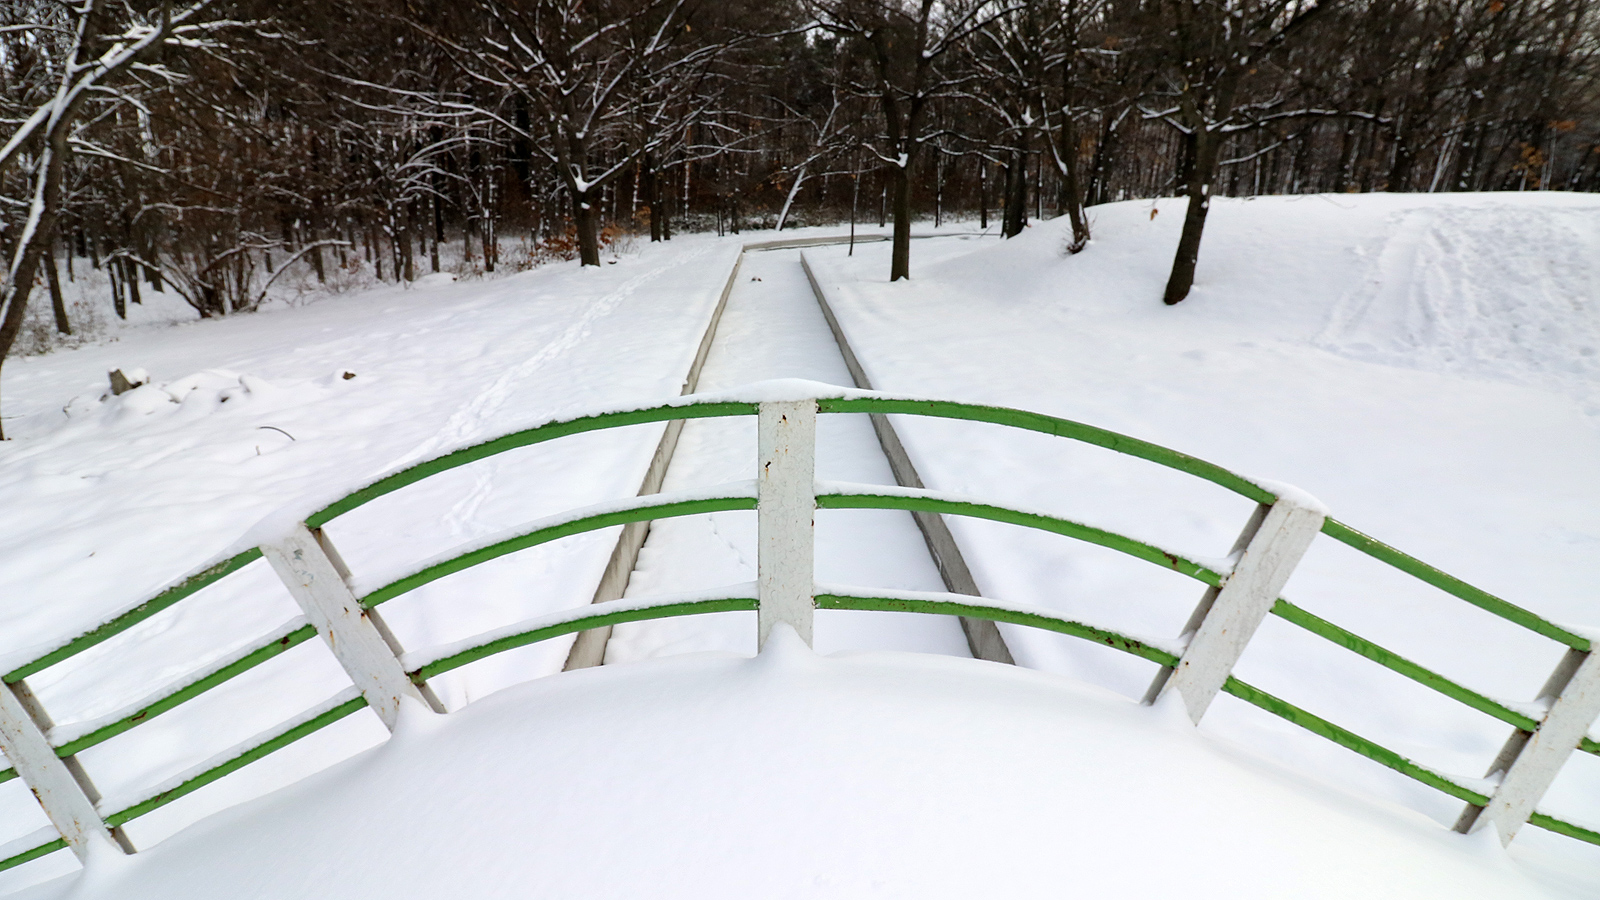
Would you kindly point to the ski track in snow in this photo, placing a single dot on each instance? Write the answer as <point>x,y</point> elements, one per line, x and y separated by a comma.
<point>470,420</point>
<point>1507,294</point>
<point>474,418</point>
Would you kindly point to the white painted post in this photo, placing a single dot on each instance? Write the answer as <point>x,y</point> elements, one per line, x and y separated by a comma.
<point>314,580</point>
<point>1532,770</point>
<point>785,514</point>
<point>70,810</point>
<point>1227,618</point>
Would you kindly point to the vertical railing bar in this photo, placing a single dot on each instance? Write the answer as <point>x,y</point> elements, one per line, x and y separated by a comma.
<point>42,718</point>
<point>1269,547</point>
<point>1531,761</point>
<point>785,516</point>
<point>305,562</point>
<point>66,803</point>
<point>372,615</point>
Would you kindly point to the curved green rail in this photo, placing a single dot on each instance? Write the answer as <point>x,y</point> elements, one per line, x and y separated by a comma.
<point>1052,425</point>
<point>274,741</point>
<point>537,435</point>
<point>32,853</point>
<point>1183,462</point>
<point>976,610</point>
<point>598,617</point>
<point>1452,585</point>
<point>654,506</point>
<point>137,614</point>
<point>167,700</point>
<point>829,497</point>
<point>864,497</point>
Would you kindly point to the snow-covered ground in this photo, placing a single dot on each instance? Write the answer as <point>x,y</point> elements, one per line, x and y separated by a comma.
<point>1425,365</point>
<point>792,775</point>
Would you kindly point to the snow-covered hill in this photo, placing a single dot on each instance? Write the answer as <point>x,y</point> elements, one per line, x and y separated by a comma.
<point>1425,365</point>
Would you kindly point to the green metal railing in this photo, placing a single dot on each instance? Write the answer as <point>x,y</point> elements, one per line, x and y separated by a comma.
<point>70,740</point>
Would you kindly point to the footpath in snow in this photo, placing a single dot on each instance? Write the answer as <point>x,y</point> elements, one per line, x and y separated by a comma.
<point>773,328</point>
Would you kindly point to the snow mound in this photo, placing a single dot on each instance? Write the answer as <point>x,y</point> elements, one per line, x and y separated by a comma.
<point>197,394</point>
<point>793,775</point>
<point>1497,291</point>
<point>1502,287</point>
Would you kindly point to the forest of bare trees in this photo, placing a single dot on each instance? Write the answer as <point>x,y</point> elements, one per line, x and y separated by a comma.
<point>205,146</point>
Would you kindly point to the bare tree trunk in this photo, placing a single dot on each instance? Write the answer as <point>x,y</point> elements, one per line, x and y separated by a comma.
<point>983,194</point>
<point>586,218</point>
<point>900,258</point>
<point>113,272</point>
<point>130,277</point>
<point>788,200</point>
<point>438,232</point>
<point>667,208</point>
<point>316,260</point>
<point>652,195</point>
<point>1202,170</point>
<point>1071,193</point>
<point>58,305</point>
<point>1016,202</point>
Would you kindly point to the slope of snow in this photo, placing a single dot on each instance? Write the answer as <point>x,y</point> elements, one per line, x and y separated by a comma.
<point>1416,362</point>
<point>1422,364</point>
<point>793,775</point>
<point>115,497</point>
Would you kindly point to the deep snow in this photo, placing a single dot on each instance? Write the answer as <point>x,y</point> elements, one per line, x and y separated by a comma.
<point>793,775</point>
<point>1401,380</point>
<point>1348,345</point>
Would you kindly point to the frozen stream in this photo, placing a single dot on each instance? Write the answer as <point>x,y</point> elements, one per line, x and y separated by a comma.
<point>772,328</point>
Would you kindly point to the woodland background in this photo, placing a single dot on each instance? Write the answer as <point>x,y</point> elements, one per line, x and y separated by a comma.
<point>206,146</point>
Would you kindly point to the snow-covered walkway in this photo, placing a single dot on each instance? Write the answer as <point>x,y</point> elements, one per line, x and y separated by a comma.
<point>773,328</point>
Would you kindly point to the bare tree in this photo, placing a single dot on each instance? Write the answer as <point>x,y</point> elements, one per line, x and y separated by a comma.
<point>85,56</point>
<point>604,86</point>
<point>1213,46</point>
<point>906,42</point>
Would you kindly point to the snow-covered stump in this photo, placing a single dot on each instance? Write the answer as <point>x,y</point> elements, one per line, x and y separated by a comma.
<point>69,808</point>
<point>785,515</point>
<point>313,578</point>
<point>1269,548</point>
<point>1531,762</point>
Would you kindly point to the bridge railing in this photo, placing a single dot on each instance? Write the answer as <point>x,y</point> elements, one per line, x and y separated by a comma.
<point>785,494</point>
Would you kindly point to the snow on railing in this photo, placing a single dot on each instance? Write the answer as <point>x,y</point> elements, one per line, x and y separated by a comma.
<point>785,494</point>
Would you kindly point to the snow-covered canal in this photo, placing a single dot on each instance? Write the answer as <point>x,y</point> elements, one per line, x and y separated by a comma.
<point>773,328</point>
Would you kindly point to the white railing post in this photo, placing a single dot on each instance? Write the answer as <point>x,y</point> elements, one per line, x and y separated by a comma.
<point>1269,548</point>
<point>785,514</point>
<point>68,807</point>
<point>1532,762</point>
<point>314,580</point>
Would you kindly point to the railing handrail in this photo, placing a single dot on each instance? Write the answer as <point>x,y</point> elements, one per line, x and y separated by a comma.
<point>414,668</point>
<point>830,399</point>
